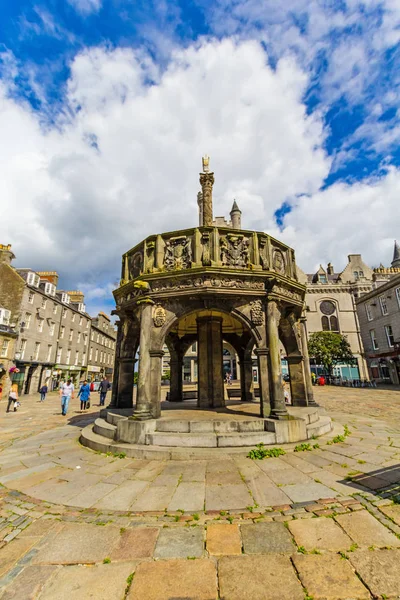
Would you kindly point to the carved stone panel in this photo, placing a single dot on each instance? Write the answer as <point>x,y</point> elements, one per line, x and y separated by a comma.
<point>178,254</point>
<point>135,265</point>
<point>257,312</point>
<point>150,256</point>
<point>159,315</point>
<point>278,261</point>
<point>234,251</point>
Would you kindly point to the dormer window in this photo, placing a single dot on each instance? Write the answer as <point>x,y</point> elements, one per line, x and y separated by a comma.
<point>50,289</point>
<point>81,307</point>
<point>33,279</point>
<point>322,278</point>
<point>65,298</point>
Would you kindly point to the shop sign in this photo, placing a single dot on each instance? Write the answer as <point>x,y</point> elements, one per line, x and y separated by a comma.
<point>93,369</point>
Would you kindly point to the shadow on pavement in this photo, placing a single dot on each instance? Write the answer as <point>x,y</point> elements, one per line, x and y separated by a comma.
<point>384,482</point>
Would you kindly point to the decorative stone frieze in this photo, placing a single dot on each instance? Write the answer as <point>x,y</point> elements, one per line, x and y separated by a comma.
<point>257,312</point>
<point>178,253</point>
<point>278,261</point>
<point>234,250</point>
<point>159,315</point>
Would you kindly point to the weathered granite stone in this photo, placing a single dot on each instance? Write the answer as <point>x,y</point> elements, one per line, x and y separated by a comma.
<point>11,553</point>
<point>223,539</point>
<point>180,543</point>
<point>262,538</point>
<point>29,583</point>
<point>367,531</point>
<point>138,542</point>
<point>380,570</point>
<point>320,534</point>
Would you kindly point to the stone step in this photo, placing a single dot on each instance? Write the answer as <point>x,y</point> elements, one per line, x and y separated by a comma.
<point>102,427</point>
<point>113,418</point>
<point>322,426</point>
<point>182,440</point>
<point>236,440</point>
<point>209,426</point>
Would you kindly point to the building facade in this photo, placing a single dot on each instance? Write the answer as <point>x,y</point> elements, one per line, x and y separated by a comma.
<point>101,348</point>
<point>379,315</point>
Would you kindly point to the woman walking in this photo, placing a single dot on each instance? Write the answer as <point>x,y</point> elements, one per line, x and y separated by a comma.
<point>84,394</point>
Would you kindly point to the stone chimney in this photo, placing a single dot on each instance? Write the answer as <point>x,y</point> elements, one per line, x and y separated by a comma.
<point>329,269</point>
<point>6,254</point>
<point>50,276</point>
<point>236,216</point>
<point>76,296</point>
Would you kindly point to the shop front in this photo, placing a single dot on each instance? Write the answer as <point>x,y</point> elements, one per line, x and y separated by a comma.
<point>65,372</point>
<point>95,373</point>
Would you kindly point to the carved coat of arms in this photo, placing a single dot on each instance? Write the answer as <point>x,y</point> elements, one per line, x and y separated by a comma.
<point>178,254</point>
<point>256,312</point>
<point>159,316</point>
<point>234,251</point>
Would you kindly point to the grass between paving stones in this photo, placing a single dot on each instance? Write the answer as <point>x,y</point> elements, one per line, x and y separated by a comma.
<point>304,447</point>
<point>128,584</point>
<point>260,452</point>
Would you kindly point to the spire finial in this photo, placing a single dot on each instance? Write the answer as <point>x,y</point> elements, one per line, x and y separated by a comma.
<point>396,255</point>
<point>206,163</point>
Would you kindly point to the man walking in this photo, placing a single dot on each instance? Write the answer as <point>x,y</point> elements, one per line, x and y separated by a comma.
<point>43,391</point>
<point>103,389</point>
<point>66,392</point>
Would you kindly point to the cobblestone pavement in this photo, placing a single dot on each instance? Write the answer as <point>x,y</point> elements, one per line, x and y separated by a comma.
<point>321,523</point>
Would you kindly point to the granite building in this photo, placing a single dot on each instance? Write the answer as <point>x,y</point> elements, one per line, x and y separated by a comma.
<point>101,348</point>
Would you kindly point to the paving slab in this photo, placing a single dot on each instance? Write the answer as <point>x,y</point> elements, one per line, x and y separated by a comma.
<point>12,552</point>
<point>29,583</point>
<point>302,492</point>
<point>78,543</point>
<point>393,512</point>
<point>365,530</point>
<point>320,534</point>
<point>223,539</point>
<point>262,538</point>
<point>138,542</point>
<point>228,497</point>
<point>258,578</point>
<point>329,577</point>
<point>175,579</point>
<point>188,496</point>
<point>91,495</point>
<point>380,570</point>
<point>182,542</point>
<point>123,496</point>
<point>102,582</point>
<point>155,497</point>
<point>40,528</point>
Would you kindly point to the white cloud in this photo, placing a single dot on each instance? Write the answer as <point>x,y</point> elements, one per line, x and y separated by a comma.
<point>86,7</point>
<point>123,160</point>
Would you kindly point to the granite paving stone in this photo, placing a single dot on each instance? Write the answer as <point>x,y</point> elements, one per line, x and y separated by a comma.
<point>29,583</point>
<point>380,570</point>
<point>180,542</point>
<point>102,582</point>
<point>12,552</point>
<point>138,542</point>
<point>91,495</point>
<point>393,512</point>
<point>153,498</point>
<point>175,580</point>
<point>188,496</point>
<point>329,577</point>
<point>309,491</point>
<point>78,543</point>
<point>320,533</point>
<point>227,497</point>
<point>258,578</point>
<point>262,538</point>
<point>223,539</point>
<point>123,496</point>
<point>367,531</point>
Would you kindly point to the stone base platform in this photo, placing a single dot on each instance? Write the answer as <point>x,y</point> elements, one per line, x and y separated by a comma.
<point>190,432</point>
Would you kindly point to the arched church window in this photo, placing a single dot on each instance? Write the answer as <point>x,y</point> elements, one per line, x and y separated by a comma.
<point>334,323</point>
<point>325,324</point>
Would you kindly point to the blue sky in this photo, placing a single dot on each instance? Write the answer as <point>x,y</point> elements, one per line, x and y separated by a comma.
<point>106,107</point>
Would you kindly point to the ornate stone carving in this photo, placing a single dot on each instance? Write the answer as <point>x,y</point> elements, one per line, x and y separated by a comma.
<point>205,239</point>
<point>264,259</point>
<point>257,312</point>
<point>150,250</point>
<point>278,261</point>
<point>207,182</point>
<point>159,315</point>
<point>196,282</point>
<point>277,289</point>
<point>178,254</point>
<point>234,251</point>
<point>135,265</point>
<point>242,284</point>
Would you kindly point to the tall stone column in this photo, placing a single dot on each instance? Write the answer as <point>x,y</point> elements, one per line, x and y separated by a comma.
<point>307,367</point>
<point>207,182</point>
<point>210,378</point>
<point>246,380</point>
<point>297,380</point>
<point>278,407</point>
<point>114,391</point>
<point>126,370</point>
<point>175,393</point>
<point>155,382</point>
<point>143,402</point>
<point>264,381</point>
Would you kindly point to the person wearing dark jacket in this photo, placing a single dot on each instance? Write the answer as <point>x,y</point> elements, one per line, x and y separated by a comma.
<point>103,389</point>
<point>43,391</point>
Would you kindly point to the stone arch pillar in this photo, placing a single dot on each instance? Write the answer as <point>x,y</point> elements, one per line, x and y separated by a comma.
<point>126,347</point>
<point>210,379</point>
<point>278,406</point>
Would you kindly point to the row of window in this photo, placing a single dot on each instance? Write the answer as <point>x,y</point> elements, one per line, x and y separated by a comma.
<point>5,316</point>
<point>36,352</point>
<point>104,357</point>
<point>103,340</point>
<point>383,305</point>
<point>64,298</point>
<point>389,337</point>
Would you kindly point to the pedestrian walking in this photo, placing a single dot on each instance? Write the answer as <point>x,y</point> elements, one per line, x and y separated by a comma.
<point>84,395</point>
<point>66,393</point>
<point>43,391</point>
<point>103,389</point>
<point>13,398</point>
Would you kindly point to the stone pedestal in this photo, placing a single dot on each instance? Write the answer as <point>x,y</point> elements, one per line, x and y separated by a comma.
<point>264,381</point>
<point>307,368</point>
<point>278,407</point>
<point>175,394</point>
<point>126,370</point>
<point>210,378</point>
<point>297,380</point>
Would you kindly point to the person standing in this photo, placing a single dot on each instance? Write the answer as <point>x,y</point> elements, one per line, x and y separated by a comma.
<point>103,389</point>
<point>84,394</point>
<point>66,393</point>
<point>43,391</point>
<point>13,398</point>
